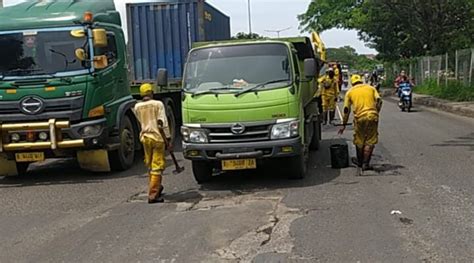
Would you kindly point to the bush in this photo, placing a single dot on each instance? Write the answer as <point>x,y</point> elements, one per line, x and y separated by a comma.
<point>454,90</point>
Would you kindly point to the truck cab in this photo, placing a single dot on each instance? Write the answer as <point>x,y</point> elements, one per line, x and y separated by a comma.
<point>64,90</point>
<point>245,102</point>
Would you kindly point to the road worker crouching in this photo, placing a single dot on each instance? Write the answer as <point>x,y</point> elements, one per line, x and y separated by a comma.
<point>367,104</point>
<point>152,117</point>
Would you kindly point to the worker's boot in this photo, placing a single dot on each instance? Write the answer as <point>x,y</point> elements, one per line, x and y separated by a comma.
<point>332,115</point>
<point>358,161</point>
<point>155,189</point>
<point>368,150</point>
<point>325,118</point>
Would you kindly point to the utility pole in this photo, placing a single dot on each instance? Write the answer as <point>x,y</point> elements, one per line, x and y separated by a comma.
<point>278,31</point>
<point>250,18</point>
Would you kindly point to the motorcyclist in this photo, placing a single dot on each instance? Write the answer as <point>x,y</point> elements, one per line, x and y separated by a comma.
<point>374,80</point>
<point>401,78</point>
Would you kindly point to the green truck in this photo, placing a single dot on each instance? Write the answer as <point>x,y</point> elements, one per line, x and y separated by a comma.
<point>67,87</point>
<point>246,102</point>
<point>64,89</point>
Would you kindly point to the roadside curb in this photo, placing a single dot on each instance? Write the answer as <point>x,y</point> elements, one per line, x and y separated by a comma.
<point>459,108</point>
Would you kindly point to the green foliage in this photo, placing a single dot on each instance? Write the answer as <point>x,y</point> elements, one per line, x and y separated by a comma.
<point>398,29</point>
<point>349,56</point>
<point>243,35</point>
<point>454,91</point>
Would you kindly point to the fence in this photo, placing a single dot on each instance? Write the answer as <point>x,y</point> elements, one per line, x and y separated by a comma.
<point>455,66</point>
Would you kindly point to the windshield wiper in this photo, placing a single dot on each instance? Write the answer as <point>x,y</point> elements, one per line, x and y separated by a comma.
<point>66,61</point>
<point>209,91</point>
<point>260,86</point>
<point>25,72</point>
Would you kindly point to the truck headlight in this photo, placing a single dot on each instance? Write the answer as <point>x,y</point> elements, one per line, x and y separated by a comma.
<point>15,137</point>
<point>90,130</point>
<point>43,136</point>
<point>285,130</point>
<point>194,135</point>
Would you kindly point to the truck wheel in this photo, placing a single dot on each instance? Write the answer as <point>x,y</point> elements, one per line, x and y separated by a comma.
<point>22,168</point>
<point>297,167</point>
<point>202,171</point>
<point>122,159</point>
<point>171,122</point>
<point>315,139</point>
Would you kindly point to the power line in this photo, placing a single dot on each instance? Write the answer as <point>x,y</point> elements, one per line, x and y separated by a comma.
<point>279,30</point>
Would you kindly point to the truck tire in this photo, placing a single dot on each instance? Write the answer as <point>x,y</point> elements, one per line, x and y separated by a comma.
<point>171,121</point>
<point>297,167</point>
<point>123,158</point>
<point>315,139</point>
<point>202,171</point>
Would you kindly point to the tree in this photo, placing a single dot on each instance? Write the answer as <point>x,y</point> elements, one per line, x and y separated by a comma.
<point>349,56</point>
<point>242,35</point>
<point>398,29</point>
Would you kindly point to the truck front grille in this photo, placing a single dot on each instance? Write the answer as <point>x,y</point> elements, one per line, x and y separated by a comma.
<point>62,108</point>
<point>253,132</point>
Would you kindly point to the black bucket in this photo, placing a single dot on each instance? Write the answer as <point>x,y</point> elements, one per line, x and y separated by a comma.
<point>339,156</point>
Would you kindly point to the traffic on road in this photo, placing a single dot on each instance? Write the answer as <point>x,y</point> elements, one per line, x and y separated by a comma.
<point>166,139</point>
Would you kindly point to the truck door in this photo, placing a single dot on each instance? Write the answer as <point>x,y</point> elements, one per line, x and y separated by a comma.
<point>110,80</point>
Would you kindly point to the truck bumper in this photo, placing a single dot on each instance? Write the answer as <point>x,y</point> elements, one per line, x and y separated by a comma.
<point>61,135</point>
<point>258,150</point>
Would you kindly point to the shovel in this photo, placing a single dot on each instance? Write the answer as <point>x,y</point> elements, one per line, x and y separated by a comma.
<point>340,117</point>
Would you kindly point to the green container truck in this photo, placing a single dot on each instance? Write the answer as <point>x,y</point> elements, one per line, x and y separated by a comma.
<point>67,88</point>
<point>246,102</point>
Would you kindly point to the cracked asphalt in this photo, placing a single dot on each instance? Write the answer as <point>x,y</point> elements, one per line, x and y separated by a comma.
<point>424,169</point>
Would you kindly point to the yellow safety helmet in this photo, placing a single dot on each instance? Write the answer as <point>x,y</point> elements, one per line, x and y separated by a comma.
<point>355,78</point>
<point>146,89</point>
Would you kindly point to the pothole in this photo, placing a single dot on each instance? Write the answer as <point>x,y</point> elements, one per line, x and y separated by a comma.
<point>268,234</point>
<point>272,237</point>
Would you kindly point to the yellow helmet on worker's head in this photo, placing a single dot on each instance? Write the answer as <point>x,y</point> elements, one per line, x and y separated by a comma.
<point>146,89</point>
<point>356,79</point>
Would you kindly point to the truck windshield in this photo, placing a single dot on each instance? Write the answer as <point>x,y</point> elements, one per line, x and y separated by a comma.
<point>39,53</point>
<point>237,68</point>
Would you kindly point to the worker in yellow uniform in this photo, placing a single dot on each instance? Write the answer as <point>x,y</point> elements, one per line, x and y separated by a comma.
<point>152,117</point>
<point>337,75</point>
<point>329,90</point>
<point>367,104</point>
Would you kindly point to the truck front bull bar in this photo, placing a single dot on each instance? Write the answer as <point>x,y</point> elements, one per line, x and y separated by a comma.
<point>54,127</point>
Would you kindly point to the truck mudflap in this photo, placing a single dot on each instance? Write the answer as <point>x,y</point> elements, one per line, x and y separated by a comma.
<point>94,160</point>
<point>7,167</point>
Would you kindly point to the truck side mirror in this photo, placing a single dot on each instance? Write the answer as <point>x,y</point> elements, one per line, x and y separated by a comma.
<point>100,37</point>
<point>310,68</point>
<point>80,54</point>
<point>162,77</point>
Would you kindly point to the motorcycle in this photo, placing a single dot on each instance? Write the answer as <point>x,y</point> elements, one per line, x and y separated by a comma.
<point>405,94</point>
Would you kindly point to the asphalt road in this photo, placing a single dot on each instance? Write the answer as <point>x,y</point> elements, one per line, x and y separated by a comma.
<point>425,164</point>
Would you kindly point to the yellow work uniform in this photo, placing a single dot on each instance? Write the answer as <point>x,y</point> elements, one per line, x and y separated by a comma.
<point>364,99</point>
<point>337,73</point>
<point>329,91</point>
<point>148,114</point>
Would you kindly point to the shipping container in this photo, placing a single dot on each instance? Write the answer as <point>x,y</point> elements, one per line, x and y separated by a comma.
<point>161,33</point>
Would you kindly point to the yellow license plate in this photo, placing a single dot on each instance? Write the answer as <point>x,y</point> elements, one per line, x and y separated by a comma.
<point>29,157</point>
<point>240,164</point>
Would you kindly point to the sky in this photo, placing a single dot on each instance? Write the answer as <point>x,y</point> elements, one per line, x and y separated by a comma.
<point>267,15</point>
